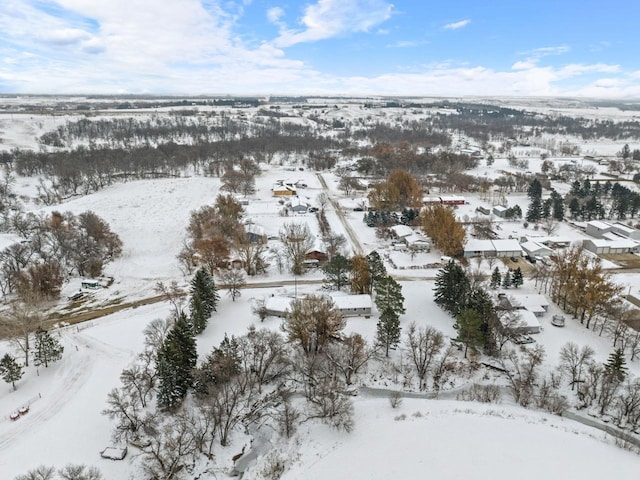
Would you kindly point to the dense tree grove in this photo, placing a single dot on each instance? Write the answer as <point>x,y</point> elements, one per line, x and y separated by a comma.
<point>53,248</point>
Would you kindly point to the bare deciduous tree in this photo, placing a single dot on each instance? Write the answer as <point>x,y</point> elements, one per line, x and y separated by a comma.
<point>423,344</point>
<point>297,241</point>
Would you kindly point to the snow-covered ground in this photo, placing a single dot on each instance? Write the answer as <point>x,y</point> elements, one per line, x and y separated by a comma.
<point>423,438</point>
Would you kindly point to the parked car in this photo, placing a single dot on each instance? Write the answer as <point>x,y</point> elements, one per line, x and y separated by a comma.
<point>523,339</point>
<point>514,259</point>
<point>312,209</point>
<point>557,321</point>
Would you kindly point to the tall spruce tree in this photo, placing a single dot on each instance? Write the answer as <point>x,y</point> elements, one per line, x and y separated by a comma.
<point>517,278</point>
<point>377,270</point>
<point>46,348</point>
<point>388,333</point>
<point>204,300</point>
<point>496,278</point>
<point>10,370</point>
<point>534,212</point>
<point>616,365</point>
<point>469,327</point>
<point>452,288</point>
<point>175,361</point>
<point>389,295</point>
<point>506,280</point>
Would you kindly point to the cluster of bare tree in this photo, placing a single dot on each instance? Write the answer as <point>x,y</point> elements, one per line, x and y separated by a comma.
<point>580,286</point>
<point>215,233</point>
<point>54,247</point>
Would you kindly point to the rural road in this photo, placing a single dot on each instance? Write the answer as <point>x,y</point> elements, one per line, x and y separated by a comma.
<point>355,241</point>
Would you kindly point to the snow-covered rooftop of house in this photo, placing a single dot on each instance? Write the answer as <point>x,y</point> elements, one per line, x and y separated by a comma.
<point>622,228</point>
<point>528,318</point>
<point>278,303</point>
<point>525,300</point>
<point>620,243</point>
<point>402,230</point>
<point>479,245</point>
<point>352,301</point>
<point>532,246</point>
<point>506,245</point>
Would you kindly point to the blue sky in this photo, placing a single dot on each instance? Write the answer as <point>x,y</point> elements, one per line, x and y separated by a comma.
<point>352,47</point>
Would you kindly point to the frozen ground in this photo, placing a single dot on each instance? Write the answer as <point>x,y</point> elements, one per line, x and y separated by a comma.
<point>448,440</point>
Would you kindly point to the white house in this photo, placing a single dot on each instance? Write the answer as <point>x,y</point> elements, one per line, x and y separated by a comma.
<point>479,248</point>
<point>353,305</point>
<point>528,323</point>
<point>535,249</point>
<point>536,304</point>
<point>507,248</point>
<point>401,231</point>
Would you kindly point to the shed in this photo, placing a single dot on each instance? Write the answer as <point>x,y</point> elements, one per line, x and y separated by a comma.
<point>114,453</point>
<point>603,246</point>
<point>283,191</point>
<point>90,284</point>
<point>255,233</point>
<point>500,211</point>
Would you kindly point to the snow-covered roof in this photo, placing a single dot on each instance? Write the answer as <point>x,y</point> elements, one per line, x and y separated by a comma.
<point>278,304</point>
<point>624,229</point>
<point>535,248</point>
<point>528,318</point>
<point>506,245</point>
<point>352,301</point>
<point>500,208</point>
<point>527,300</point>
<point>479,245</point>
<point>599,225</point>
<point>621,243</point>
<point>402,230</point>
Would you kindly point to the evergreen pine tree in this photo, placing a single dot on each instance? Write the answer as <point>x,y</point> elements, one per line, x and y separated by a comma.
<point>616,365</point>
<point>336,272</point>
<point>480,301</point>
<point>377,270</point>
<point>468,324</point>
<point>535,189</point>
<point>175,361</point>
<point>10,370</point>
<point>389,295</point>
<point>506,280</point>
<point>534,212</point>
<point>204,300</point>
<point>517,279</point>
<point>496,278</point>
<point>388,334</point>
<point>46,348</point>
<point>452,288</point>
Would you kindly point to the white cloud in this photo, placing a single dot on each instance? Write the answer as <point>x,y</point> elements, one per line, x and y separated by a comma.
<point>64,36</point>
<point>331,18</point>
<point>275,14</point>
<point>457,25</point>
<point>546,51</point>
